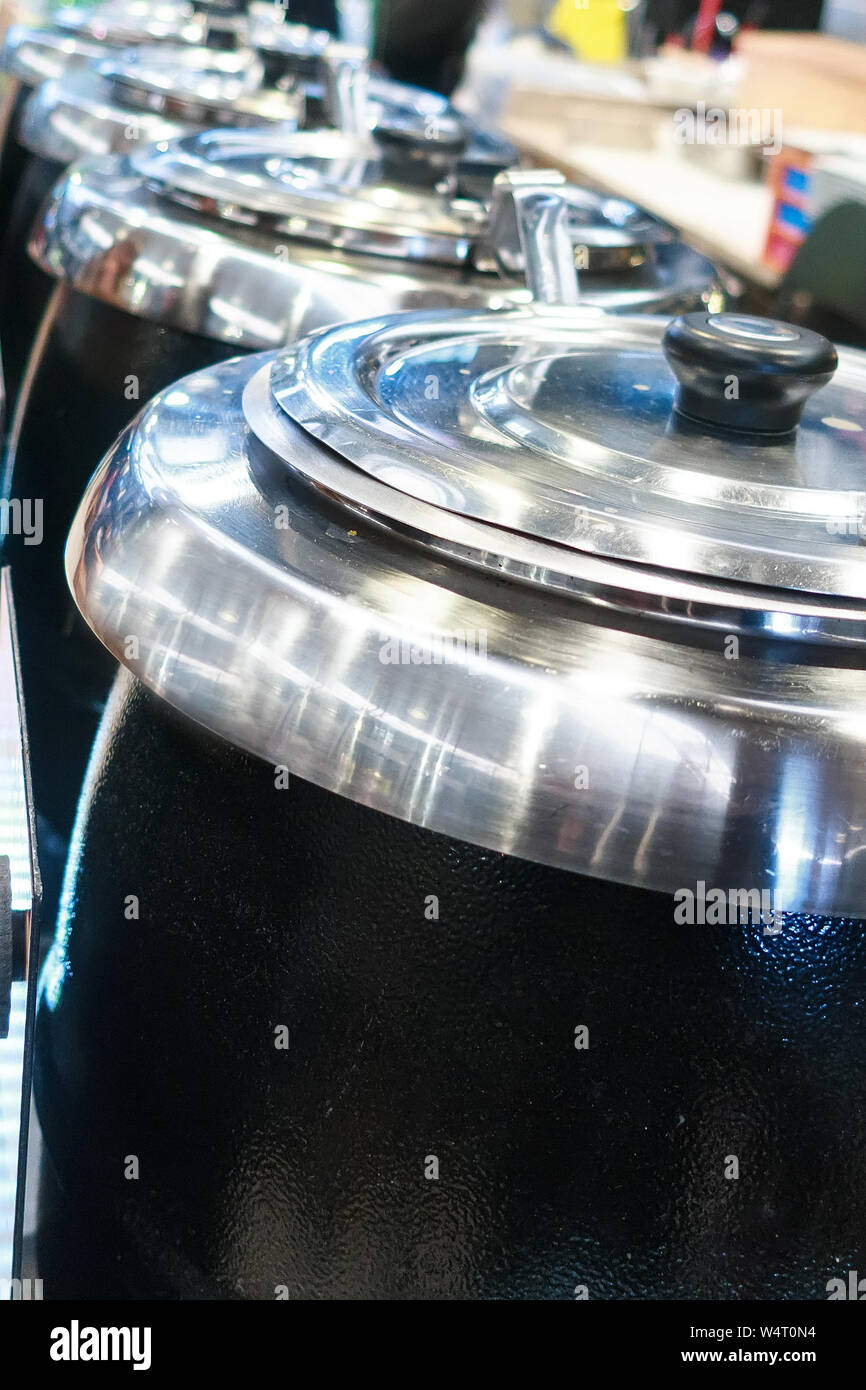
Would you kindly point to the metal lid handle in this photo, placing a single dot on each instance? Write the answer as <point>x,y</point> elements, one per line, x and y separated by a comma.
<point>346,71</point>
<point>736,372</point>
<point>530,233</point>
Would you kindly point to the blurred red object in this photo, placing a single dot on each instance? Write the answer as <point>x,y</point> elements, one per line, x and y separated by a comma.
<point>705,25</point>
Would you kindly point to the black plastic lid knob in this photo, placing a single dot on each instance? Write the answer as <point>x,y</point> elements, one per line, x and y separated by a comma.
<point>417,150</point>
<point>735,372</point>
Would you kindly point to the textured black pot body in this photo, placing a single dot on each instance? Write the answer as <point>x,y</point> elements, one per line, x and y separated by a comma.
<point>91,369</point>
<point>289,1045</point>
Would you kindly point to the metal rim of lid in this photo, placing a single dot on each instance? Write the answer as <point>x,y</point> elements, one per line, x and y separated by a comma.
<point>588,473</point>
<point>289,640</point>
<point>253,108</point>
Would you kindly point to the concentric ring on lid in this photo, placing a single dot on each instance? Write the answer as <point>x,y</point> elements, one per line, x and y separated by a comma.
<point>560,425</point>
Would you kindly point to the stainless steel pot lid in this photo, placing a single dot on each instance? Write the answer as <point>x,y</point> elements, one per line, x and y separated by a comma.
<point>408,188</point>
<point>374,654</point>
<point>197,86</point>
<point>326,186</point>
<point>75,36</point>
<point>570,429</point>
<point>138,21</point>
<point>85,112</point>
<point>146,78</point>
<point>32,56</point>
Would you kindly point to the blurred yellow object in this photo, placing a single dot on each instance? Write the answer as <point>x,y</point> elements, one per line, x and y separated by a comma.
<point>595,29</point>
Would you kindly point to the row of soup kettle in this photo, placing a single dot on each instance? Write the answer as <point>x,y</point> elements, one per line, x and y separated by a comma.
<point>183,200</point>
<point>478,814</point>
